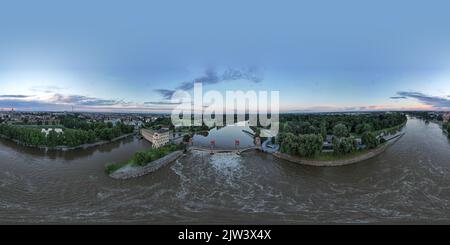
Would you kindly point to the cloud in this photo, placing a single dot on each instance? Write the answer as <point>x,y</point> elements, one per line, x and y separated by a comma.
<point>398,97</point>
<point>13,96</point>
<point>82,100</point>
<point>435,101</point>
<point>31,105</point>
<point>161,103</point>
<point>46,89</point>
<point>165,93</point>
<point>56,101</point>
<point>211,76</point>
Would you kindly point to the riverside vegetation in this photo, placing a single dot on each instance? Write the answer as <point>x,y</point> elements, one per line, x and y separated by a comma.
<point>143,158</point>
<point>303,135</point>
<point>76,132</point>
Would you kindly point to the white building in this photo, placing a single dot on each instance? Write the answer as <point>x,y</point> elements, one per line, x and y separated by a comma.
<point>47,131</point>
<point>114,121</point>
<point>158,138</point>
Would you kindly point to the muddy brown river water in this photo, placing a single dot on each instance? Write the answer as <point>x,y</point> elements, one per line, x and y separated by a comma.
<point>409,183</point>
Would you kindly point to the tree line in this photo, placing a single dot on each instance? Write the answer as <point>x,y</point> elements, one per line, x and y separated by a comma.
<point>446,127</point>
<point>76,132</point>
<point>303,134</point>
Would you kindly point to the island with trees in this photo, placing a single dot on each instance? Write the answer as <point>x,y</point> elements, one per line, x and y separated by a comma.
<point>145,162</point>
<point>337,138</point>
<point>69,133</point>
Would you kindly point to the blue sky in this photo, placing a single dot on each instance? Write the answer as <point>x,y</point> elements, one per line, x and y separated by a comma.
<point>320,55</point>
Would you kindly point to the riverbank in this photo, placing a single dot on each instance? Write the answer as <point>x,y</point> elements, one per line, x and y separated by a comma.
<point>339,162</point>
<point>69,148</point>
<point>132,171</point>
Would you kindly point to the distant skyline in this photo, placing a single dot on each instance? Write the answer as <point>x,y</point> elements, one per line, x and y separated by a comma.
<point>129,56</point>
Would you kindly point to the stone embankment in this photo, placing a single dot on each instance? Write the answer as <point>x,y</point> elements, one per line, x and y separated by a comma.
<point>129,172</point>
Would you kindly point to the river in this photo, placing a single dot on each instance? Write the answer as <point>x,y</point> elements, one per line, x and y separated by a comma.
<point>409,183</point>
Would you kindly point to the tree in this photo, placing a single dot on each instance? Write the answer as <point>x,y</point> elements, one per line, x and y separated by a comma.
<point>344,145</point>
<point>323,129</point>
<point>186,138</point>
<point>362,128</point>
<point>309,144</point>
<point>289,144</point>
<point>52,138</point>
<point>340,130</point>
<point>139,158</point>
<point>369,140</point>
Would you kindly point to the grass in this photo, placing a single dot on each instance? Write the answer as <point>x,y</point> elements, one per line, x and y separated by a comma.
<point>330,156</point>
<point>111,168</point>
<point>333,157</point>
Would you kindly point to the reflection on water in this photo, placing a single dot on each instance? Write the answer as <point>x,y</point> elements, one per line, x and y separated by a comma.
<point>410,182</point>
<point>225,137</point>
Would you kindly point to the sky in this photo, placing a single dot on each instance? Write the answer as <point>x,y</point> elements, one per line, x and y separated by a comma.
<point>132,55</point>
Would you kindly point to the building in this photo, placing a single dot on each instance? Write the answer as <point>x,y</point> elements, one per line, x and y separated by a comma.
<point>47,131</point>
<point>113,121</point>
<point>158,137</point>
<point>446,117</point>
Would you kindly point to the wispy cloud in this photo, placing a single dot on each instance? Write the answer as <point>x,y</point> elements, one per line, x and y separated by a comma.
<point>13,96</point>
<point>435,101</point>
<point>398,97</point>
<point>60,102</point>
<point>46,89</point>
<point>165,93</point>
<point>161,103</point>
<point>82,100</point>
<point>211,76</point>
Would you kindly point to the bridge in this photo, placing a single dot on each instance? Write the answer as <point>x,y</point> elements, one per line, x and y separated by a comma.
<point>213,151</point>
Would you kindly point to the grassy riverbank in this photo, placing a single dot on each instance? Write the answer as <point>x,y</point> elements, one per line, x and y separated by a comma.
<point>144,158</point>
<point>329,156</point>
<point>331,160</point>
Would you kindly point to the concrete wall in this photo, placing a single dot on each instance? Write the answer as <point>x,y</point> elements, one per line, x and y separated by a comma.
<point>136,171</point>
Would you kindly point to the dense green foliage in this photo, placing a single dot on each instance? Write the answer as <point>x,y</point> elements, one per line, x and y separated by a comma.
<point>363,128</point>
<point>344,145</point>
<point>26,135</point>
<point>340,130</point>
<point>76,132</point>
<point>303,145</point>
<point>317,123</point>
<point>370,140</point>
<point>143,158</point>
<point>343,128</point>
<point>446,127</point>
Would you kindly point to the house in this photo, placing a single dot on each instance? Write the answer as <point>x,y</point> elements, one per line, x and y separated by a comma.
<point>135,123</point>
<point>113,121</point>
<point>158,137</point>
